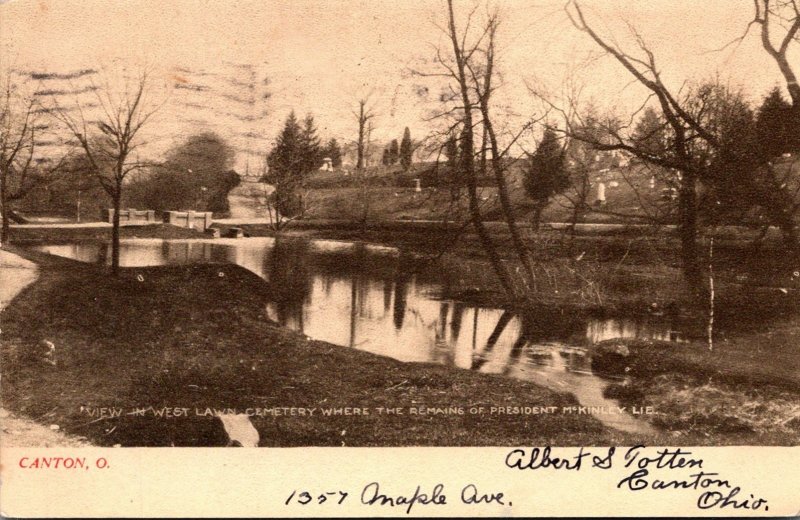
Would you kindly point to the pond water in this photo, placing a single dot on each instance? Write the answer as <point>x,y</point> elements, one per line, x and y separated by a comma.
<point>373,298</point>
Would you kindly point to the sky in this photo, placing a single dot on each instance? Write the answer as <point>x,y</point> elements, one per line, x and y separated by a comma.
<point>320,56</point>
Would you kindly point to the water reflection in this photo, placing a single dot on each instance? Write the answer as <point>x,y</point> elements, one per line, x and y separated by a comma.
<point>366,297</point>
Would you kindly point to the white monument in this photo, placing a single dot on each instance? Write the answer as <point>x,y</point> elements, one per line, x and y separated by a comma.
<point>327,165</point>
<point>601,194</point>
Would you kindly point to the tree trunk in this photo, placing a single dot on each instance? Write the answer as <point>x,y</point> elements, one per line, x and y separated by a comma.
<point>779,206</point>
<point>115,230</point>
<point>468,162</point>
<point>505,200</point>
<point>537,217</point>
<point>362,121</point>
<point>364,201</point>
<point>687,206</point>
<point>791,80</point>
<point>4,209</point>
<point>782,218</point>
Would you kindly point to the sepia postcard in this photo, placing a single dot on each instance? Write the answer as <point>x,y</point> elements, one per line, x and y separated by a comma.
<point>419,258</point>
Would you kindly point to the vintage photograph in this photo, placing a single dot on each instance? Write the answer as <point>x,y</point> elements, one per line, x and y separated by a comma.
<point>370,223</point>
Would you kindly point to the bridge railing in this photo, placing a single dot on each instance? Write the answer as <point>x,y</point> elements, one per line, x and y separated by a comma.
<point>130,215</point>
<point>200,220</point>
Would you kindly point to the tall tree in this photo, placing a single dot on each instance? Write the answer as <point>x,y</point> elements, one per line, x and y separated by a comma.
<point>288,165</point>
<point>650,133</point>
<point>693,120</point>
<point>741,177</point>
<point>406,150</point>
<point>310,142</point>
<point>111,142</point>
<point>363,116</point>
<point>777,127</point>
<point>394,152</point>
<point>197,174</point>
<point>334,152</point>
<point>460,64</point>
<point>17,150</point>
<point>781,17</point>
<point>685,130</point>
<point>451,151</point>
<point>545,175</point>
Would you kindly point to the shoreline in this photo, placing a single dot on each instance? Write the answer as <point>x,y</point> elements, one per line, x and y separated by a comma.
<point>233,357</point>
<point>731,369</point>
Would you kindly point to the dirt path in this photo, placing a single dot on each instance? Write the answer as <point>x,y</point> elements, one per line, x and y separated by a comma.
<point>248,200</point>
<point>16,273</point>
<point>24,433</point>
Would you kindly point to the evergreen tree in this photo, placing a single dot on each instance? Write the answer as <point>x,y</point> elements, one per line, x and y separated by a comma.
<point>288,164</point>
<point>385,157</point>
<point>546,175</point>
<point>451,151</point>
<point>777,131</point>
<point>334,151</point>
<point>406,150</point>
<point>734,179</point>
<point>311,149</point>
<point>285,157</point>
<point>650,133</point>
<point>394,152</point>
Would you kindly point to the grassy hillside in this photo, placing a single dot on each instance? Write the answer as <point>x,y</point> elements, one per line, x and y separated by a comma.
<point>633,194</point>
<point>390,194</point>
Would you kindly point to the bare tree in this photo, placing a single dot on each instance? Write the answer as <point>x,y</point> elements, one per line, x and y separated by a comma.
<point>460,70</point>
<point>785,14</point>
<point>682,115</point>
<point>484,88</point>
<point>111,142</point>
<point>21,167</point>
<point>692,118</point>
<point>473,68</point>
<point>364,117</point>
<point>469,67</point>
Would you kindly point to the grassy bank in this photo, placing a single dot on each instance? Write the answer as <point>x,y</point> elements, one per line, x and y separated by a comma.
<point>41,234</point>
<point>196,337</point>
<point>745,388</point>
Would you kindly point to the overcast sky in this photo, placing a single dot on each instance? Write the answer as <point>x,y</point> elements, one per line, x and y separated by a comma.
<point>320,56</point>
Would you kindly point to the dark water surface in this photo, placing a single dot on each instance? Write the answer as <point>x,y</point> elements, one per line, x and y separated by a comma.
<point>367,297</point>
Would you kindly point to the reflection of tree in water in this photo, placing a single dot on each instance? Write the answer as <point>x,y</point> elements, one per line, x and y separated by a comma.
<point>455,324</point>
<point>289,277</point>
<point>219,254</point>
<point>401,283</point>
<point>444,310</point>
<point>501,325</point>
<point>102,254</point>
<point>539,326</point>
<point>327,284</point>
<point>357,290</point>
<point>516,352</point>
<point>387,294</point>
<point>546,324</point>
